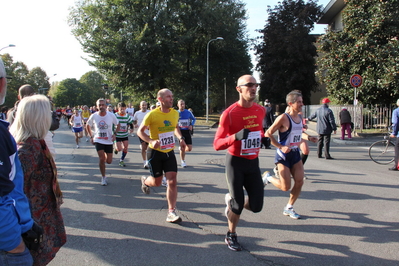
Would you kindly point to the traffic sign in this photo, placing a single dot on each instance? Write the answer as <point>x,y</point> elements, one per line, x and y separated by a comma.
<point>356,80</point>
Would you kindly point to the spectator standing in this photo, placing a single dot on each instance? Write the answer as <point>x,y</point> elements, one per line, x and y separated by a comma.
<point>3,113</point>
<point>267,122</point>
<point>325,126</point>
<point>40,174</point>
<point>23,91</point>
<point>12,198</point>
<point>345,120</point>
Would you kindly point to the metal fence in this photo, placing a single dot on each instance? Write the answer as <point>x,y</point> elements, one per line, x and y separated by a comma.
<point>364,117</point>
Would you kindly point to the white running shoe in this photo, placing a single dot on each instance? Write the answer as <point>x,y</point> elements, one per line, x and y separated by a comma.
<point>265,177</point>
<point>77,146</point>
<point>104,181</point>
<point>144,187</point>
<point>276,173</point>
<point>87,139</point>
<point>164,182</point>
<point>183,164</point>
<point>173,217</point>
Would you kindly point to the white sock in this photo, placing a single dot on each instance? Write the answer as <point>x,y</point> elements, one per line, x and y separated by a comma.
<point>289,206</point>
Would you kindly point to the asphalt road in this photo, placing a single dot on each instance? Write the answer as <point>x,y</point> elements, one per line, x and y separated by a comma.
<point>349,209</point>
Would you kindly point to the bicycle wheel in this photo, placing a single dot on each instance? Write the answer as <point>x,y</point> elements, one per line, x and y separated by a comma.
<point>382,152</point>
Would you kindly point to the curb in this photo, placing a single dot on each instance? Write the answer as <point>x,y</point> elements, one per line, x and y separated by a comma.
<point>355,141</point>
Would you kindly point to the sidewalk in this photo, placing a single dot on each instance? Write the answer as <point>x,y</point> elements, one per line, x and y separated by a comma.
<point>355,141</point>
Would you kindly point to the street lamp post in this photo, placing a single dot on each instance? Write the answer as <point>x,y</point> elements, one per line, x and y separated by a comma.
<point>10,45</point>
<point>207,76</point>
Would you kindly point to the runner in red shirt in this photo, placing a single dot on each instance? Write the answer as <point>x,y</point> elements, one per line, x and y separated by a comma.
<point>240,131</point>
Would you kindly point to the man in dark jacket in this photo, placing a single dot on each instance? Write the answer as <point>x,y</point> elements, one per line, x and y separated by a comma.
<point>325,126</point>
<point>267,122</point>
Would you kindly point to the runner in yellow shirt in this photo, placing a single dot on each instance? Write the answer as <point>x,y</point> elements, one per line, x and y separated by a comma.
<point>163,126</point>
<point>85,115</point>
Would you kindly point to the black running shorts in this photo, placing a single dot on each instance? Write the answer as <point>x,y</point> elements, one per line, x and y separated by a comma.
<point>161,162</point>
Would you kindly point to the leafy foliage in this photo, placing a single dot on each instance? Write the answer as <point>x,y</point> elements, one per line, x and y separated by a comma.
<point>93,82</point>
<point>21,75</point>
<point>71,92</point>
<point>368,46</point>
<point>141,46</point>
<point>287,51</point>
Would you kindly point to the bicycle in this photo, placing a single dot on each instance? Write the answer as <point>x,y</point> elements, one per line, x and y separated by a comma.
<point>383,151</point>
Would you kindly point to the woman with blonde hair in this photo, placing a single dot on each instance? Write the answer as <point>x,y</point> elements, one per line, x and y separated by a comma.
<point>30,126</point>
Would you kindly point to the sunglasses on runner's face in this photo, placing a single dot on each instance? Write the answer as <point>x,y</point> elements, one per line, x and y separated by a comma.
<point>250,85</point>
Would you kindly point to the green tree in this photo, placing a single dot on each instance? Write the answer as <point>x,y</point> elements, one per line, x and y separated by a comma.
<point>71,92</point>
<point>94,83</point>
<point>287,51</point>
<point>143,46</point>
<point>18,72</point>
<point>21,75</point>
<point>368,45</point>
<point>39,80</point>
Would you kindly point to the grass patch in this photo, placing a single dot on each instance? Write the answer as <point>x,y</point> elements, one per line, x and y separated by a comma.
<point>374,130</point>
<point>212,119</point>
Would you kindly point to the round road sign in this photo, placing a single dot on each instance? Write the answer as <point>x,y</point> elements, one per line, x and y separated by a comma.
<point>356,80</point>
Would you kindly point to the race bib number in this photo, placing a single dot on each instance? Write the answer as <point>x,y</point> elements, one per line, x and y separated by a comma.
<point>184,123</point>
<point>78,125</point>
<point>295,140</point>
<point>123,127</point>
<point>102,135</point>
<point>167,140</point>
<point>251,145</point>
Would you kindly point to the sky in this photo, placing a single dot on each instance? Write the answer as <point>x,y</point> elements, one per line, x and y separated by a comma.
<point>42,37</point>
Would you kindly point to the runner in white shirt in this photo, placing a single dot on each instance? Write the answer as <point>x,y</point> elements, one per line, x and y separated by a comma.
<point>130,111</point>
<point>100,128</point>
<point>76,122</point>
<point>137,120</point>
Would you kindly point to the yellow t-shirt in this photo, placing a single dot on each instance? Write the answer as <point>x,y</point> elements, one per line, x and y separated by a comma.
<point>86,115</point>
<point>162,126</point>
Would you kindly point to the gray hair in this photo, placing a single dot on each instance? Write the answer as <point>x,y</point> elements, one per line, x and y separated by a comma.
<point>2,69</point>
<point>99,100</point>
<point>2,75</point>
<point>292,96</point>
<point>33,118</point>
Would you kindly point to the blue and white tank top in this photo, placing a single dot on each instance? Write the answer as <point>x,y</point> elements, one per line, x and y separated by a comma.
<point>293,136</point>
